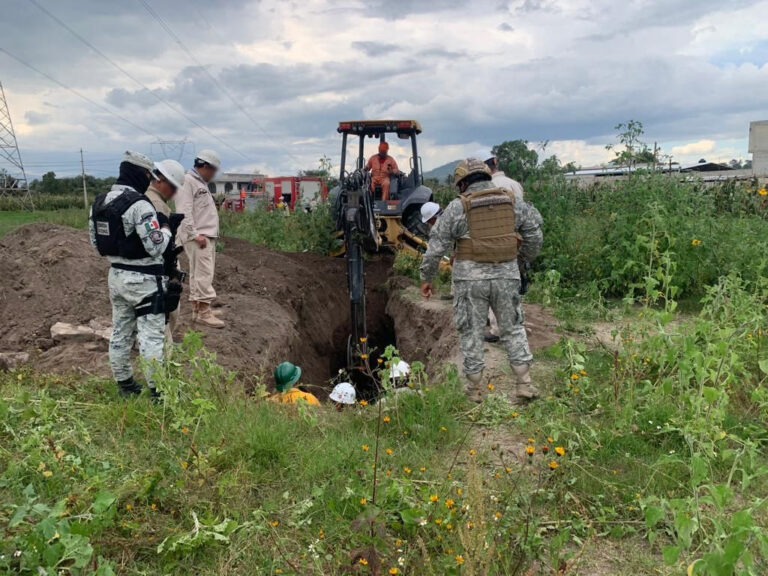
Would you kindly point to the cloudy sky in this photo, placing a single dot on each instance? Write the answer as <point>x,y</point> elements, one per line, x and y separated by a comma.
<point>265,82</point>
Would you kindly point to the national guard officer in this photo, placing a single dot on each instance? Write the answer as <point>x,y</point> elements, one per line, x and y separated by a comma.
<point>486,224</point>
<point>125,228</point>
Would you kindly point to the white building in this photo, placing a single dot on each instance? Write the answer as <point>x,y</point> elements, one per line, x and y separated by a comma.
<point>758,146</point>
<point>230,183</point>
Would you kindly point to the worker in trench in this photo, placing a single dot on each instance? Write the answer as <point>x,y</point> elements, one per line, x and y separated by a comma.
<point>167,178</point>
<point>486,225</point>
<point>287,376</point>
<point>199,233</point>
<point>382,166</point>
<point>126,228</point>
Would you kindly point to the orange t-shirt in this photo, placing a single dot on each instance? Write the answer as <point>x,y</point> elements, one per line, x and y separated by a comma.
<point>381,169</point>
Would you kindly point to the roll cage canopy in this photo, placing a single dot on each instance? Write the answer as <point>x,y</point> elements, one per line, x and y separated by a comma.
<point>405,129</point>
<point>372,128</point>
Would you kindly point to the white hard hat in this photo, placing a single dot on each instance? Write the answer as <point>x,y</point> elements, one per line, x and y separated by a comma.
<point>343,393</point>
<point>138,159</point>
<point>210,157</point>
<point>172,171</point>
<point>429,211</point>
<point>400,370</point>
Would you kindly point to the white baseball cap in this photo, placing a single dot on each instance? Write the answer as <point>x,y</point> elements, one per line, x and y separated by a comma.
<point>429,211</point>
<point>343,393</point>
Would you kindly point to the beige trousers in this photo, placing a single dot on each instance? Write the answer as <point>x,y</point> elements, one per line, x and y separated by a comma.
<point>202,262</point>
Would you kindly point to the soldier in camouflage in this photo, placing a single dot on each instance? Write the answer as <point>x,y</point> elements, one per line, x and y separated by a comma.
<point>124,226</point>
<point>486,225</point>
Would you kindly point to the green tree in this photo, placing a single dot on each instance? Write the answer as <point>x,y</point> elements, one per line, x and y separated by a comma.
<point>516,159</point>
<point>629,148</point>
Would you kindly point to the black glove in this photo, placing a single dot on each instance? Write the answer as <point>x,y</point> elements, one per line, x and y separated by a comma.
<point>525,279</point>
<point>175,221</point>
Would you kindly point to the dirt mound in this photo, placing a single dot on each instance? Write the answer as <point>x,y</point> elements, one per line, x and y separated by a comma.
<point>277,306</point>
<point>425,330</point>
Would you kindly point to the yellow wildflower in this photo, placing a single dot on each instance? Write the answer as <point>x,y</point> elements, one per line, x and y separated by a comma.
<point>491,387</point>
<point>449,527</point>
<point>530,450</point>
<point>459,559</point>
<point>508,470</point>
<point>422,469</point>
<point>363,562</point>
<point>363,340</point>
<point>449,503</point>
<point>47,473</point>
<point>407,470</point>
<point>386,419</point>
<point>389,451</point>
<point>514,414</point>
<point>366,447</point>
<point>129,507</point>
<point>443,429</point>
<point>531,440</point>
<point>275,523</point>
<point>184,465</point>
<point>550,439</point>
<point>394,571</point>
<point>553,465</point>
<point>559,450</point>
<point>763,192</point>
<point>459,491</point>
<point>389,472</point>
<point>363,501</point>
<point>438,521</point>
<point>363,403</point>
<point>364,356</point>
<point>574,376</point>
<point>154,506</point>
<point>583,372</point>
<point>472,452</point>
<point>695,242</point>
<point>433,498</point>
<point>185,430</point>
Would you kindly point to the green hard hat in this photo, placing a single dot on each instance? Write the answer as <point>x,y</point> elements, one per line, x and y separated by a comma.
<point>286,375</point>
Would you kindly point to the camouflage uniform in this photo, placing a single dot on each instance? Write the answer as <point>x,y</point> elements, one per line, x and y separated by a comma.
<point>128,288</point>
<point>479,286</point>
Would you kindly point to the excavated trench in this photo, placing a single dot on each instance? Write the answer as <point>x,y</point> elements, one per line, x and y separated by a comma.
<point>277,307</point>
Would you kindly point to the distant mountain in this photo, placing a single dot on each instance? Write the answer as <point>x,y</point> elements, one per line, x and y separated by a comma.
<point>441,172</point>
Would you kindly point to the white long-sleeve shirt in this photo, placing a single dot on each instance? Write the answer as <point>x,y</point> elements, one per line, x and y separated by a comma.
<point>501,180</point>
<point>195,201</point>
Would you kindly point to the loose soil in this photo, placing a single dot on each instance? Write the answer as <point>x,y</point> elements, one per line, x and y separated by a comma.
<point>277,306</point>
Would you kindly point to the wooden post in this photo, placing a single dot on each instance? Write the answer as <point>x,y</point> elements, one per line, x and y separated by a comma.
<point>85,191</point>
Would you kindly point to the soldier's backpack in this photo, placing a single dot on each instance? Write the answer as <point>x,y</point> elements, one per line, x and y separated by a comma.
<point>491,218</point>
<point>111,239</point>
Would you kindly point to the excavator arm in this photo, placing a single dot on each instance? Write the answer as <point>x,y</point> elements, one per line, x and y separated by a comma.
<point>360,235</point>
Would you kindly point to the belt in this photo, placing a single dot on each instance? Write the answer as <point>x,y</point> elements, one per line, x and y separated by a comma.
<point>151,269</point>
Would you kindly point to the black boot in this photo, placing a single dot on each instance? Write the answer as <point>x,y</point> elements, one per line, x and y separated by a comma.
<point>490,337</point>
<point>155,395</point>
<point>129,387</point>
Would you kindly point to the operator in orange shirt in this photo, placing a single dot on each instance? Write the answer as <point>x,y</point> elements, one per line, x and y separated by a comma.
<point>382,166</point>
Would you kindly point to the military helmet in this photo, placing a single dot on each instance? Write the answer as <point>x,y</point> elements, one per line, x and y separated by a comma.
<point>470,166</point>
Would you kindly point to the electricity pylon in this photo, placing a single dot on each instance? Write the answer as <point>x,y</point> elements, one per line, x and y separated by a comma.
<point>13,178</point>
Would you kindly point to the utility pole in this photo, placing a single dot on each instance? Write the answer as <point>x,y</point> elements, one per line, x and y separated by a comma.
<point>13,178</point>
<point>85,191</point>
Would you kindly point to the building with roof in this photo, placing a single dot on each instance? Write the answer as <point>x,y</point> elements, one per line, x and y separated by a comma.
<point>758,147</point>
<point>230,183</point>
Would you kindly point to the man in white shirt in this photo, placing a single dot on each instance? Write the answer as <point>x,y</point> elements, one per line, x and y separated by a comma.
<point>500,180</point>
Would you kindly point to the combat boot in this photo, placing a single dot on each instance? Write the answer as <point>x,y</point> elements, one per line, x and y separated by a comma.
<point>206,317</point>
<point>473,388</point>
<point>129,387</point>
<point>525,388</point>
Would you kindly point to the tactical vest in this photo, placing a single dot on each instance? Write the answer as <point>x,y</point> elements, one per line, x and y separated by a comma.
<point>111,239</point>
<point>491,218</point>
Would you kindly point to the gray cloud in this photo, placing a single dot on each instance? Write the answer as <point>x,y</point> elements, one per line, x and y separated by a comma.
<point>567,73</point>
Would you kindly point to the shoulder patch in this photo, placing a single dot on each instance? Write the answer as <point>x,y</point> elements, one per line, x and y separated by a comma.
<point>156,237</point>
<point>147,216</point>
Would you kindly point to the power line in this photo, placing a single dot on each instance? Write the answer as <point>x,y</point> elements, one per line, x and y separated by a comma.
<point>13,177</point>
<point>130,76</point>
<point>78,94</point>
<point>215,80</point>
